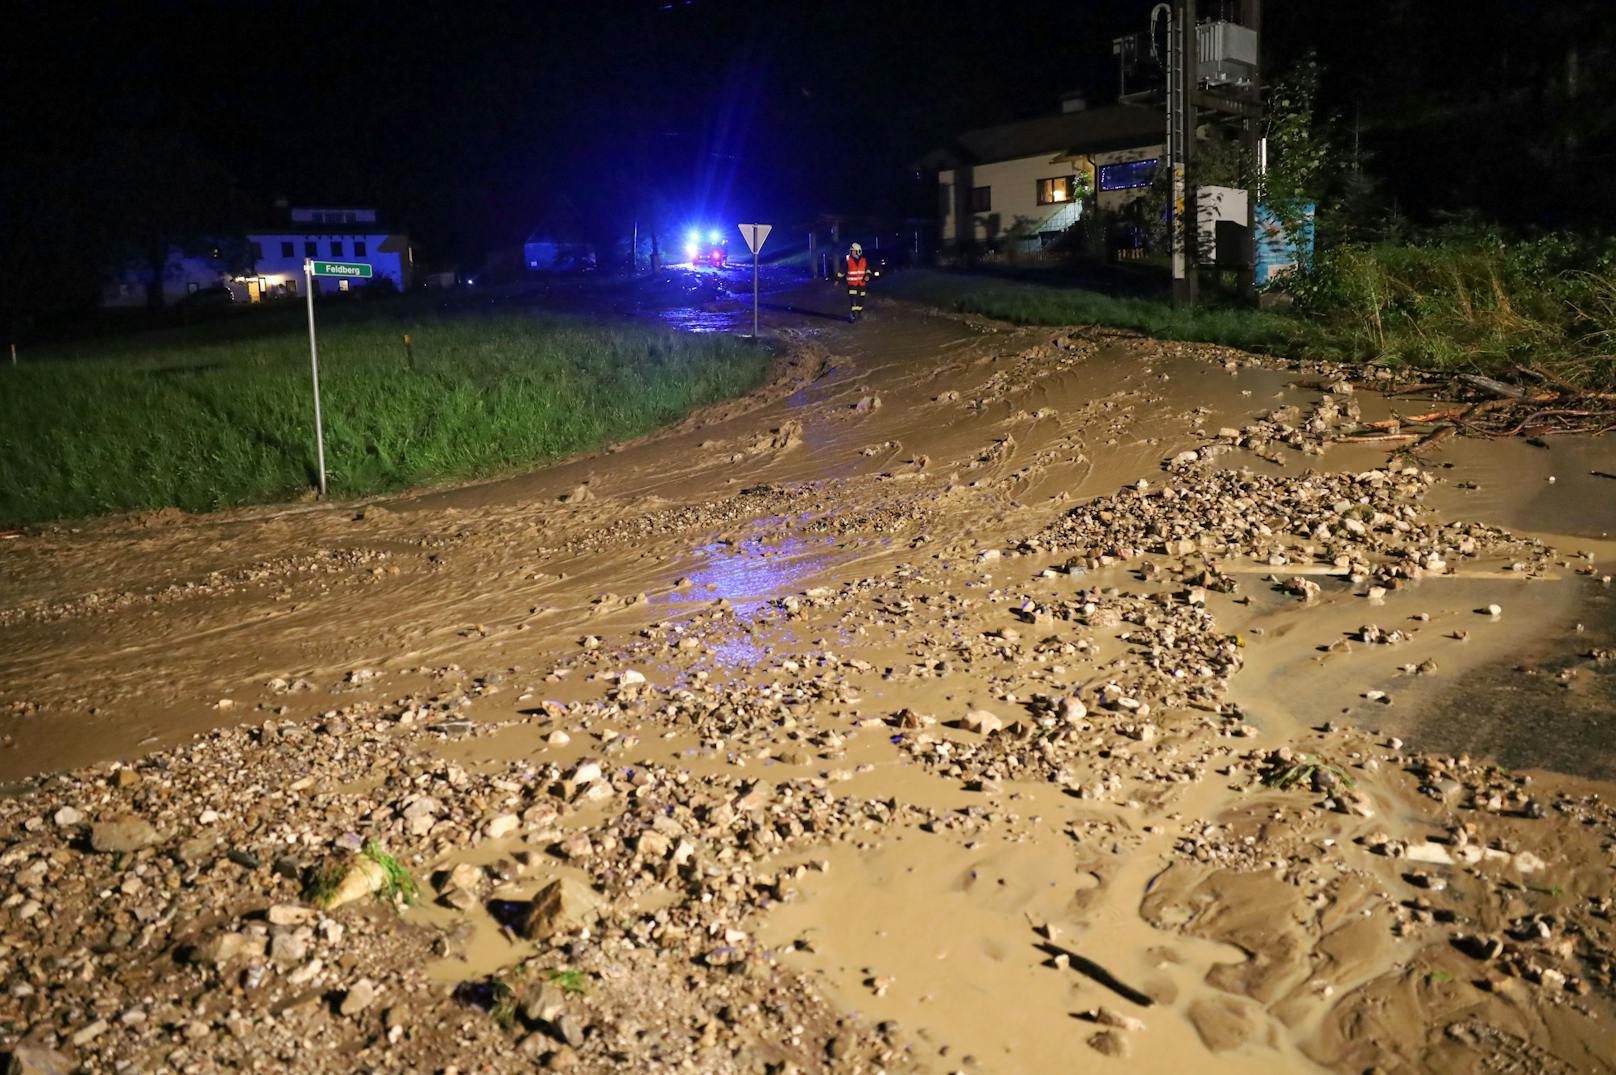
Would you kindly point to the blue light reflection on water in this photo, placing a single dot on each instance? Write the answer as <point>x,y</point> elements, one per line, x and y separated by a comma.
<point>751,573</point>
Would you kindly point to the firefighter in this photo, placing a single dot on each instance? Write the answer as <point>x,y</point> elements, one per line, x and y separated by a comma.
<point>857,271</point>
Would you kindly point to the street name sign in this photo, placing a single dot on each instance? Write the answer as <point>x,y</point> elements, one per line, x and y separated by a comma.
<point>353,269</point>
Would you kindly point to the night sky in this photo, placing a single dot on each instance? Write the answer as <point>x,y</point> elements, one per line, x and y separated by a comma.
<point>470,124</point>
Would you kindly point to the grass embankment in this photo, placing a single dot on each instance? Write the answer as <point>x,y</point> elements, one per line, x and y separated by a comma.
<point>1029,303</point>
<point>1448,303</point>
<point>217,416</point>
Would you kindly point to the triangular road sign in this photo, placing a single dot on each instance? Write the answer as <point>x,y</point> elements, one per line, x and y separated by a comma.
<point>755,235</point>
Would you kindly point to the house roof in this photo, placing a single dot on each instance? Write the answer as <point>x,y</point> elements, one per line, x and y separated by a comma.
<point>1090,130</point>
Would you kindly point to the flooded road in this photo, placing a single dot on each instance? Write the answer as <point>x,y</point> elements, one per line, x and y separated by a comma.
<point>1003,699</point>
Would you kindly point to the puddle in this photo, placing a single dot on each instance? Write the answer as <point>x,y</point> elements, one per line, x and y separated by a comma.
<point>1545,706</point>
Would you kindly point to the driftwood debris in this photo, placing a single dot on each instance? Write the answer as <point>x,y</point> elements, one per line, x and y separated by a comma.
<point>1536,404</point>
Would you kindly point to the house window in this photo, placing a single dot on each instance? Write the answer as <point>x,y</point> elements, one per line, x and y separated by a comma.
<point>981,199</point>
<point>1057,191</point>
<point>945,194</point>
<point>309,250</point>
<point>257,250</point>
<point>286,248</point>
<point>336,248</point>
<point>1127,175</point>
<point>359,248</point>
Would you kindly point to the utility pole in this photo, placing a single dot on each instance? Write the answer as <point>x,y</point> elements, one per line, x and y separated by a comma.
<point>1251,139</point>
<point>1181,83</point>
<point>1188,84</point>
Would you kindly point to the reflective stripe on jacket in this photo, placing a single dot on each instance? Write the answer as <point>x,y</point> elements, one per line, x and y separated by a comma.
<point>857,271</point>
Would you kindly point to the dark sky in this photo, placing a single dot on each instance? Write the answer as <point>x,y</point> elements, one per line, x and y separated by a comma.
<point>470,123</point>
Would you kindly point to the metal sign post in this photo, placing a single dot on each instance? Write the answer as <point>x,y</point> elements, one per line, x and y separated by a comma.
<point>755,235</point>
<point>348,270</point>
<point>314,368</point>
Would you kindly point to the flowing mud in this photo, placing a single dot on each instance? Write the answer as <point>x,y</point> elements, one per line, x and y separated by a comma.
<point>967,699</point>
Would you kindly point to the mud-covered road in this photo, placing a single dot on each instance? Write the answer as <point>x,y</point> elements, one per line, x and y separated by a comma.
<point>968,699</point>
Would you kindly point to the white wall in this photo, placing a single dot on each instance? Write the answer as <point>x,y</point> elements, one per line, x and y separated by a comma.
<point>387,255</point>
<point>1014,205</point>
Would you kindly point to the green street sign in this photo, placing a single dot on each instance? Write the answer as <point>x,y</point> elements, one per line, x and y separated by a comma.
<point>341,268</point>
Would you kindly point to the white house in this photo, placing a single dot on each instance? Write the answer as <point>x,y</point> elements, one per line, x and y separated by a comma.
<point>1022,184</point>
<point>325,234</point>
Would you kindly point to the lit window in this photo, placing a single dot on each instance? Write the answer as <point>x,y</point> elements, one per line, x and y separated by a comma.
<point>336,248</point>
<point>1127,175</point>
<point>1055,191</point>
<point>981,199</point>
<point>359,248</point>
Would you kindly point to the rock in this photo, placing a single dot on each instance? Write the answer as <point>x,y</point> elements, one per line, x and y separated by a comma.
<point>561,905</point>
<point>1106,1017</point>
<point>546,1006</point>
<point>122,835</point>
<point>1428,852</point>
<point>503,825</point>
<point>67,817</point>
<point>1072,709</point>
<point>630,678</point>
<point>222,948</point>
<point>289,914</point>
<point>1527,862</point>
<point>982,722</point>
<point>288,948</point>
<point>652,845</point>
<point>465,877</point>
<point>360,995</point>
<point>569,1029</point>
<point>307,972</point>
<point>34,1058</point>
<point>195,850</point>
<point>358,876</point>
<point>560,1060</point>
<point>585,772</point>
<point>1356,803</point>
<point>1109,1043</point>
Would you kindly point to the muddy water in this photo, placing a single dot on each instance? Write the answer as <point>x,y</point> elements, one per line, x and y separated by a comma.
<point>883,464</point>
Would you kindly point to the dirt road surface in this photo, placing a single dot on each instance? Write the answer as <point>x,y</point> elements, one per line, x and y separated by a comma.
<point>968,699</point>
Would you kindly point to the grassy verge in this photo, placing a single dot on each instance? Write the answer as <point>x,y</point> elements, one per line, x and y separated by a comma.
<point>1447,303</point>
<point>1046,304</point>
<point>215,418</point>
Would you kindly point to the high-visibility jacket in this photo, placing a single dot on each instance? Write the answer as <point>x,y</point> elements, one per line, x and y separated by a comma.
<point>858,271</point>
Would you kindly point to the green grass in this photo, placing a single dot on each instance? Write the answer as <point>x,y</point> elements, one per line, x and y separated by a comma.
<point>1045,304</point>
<point>399,885</point>
<point>570,981</point>
<point>1451,302</point>
<point>219,415</point>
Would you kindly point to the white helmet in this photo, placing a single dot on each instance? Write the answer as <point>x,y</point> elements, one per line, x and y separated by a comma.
<point>857,249</point>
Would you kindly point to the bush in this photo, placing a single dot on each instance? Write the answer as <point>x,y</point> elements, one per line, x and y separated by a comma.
<point>1467,297</point>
